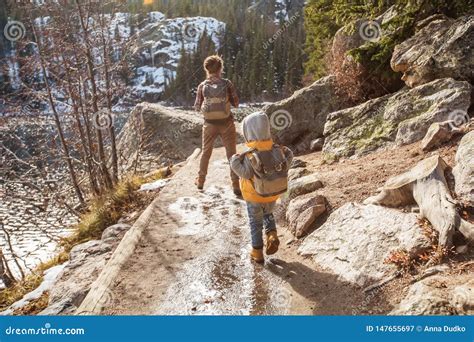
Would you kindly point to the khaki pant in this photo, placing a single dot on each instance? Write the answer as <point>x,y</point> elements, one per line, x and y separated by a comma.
<point>229,139</point>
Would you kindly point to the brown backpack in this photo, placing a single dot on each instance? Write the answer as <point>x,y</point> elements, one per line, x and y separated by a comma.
<point>270,171</point>
<point>216,105</point>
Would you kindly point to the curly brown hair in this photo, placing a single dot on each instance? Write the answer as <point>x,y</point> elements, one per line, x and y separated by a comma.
<point>213,64</point>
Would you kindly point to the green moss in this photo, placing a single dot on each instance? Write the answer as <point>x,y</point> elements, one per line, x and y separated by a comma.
<point>329,158</point>
<point>376,130</point>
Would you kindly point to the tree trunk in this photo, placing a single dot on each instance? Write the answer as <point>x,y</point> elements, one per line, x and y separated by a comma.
<point>426,186</point>
<point>90,68</point>
<point>113,146</point>
<point>84,145</point>
<point>64,145</point>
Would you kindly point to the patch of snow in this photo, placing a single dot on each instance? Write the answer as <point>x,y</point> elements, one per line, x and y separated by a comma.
<point>160,183</point>
<point>281,12</point>
<point>42,21</point>
<point>120,25</point>
<point>156,16</point>
<point>47,284</point>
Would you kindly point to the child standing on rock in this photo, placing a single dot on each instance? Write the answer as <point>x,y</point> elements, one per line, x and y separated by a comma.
<point>214,99</point>
<point>263,172</point>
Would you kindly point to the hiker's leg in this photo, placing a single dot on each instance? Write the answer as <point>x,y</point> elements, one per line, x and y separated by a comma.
<point>209,134</point>
<point>255,214</point>
<point>270,229</point>
<point>229,140</point>
<point>268,218</point>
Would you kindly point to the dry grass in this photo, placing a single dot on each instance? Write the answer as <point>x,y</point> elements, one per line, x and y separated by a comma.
<point>109,208</point>
<point>12,294</point>
<point>435,255</point>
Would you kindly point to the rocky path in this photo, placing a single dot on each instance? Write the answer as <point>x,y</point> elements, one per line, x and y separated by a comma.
<point>192,258</point>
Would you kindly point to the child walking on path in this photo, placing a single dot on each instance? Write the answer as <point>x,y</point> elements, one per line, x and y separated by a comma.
<point>263,172</point>
<point>214,99</point>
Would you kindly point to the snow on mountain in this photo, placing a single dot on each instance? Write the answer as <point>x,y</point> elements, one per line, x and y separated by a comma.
<point>277,10</point>
<point>159,43</point>
<point>160,47</point>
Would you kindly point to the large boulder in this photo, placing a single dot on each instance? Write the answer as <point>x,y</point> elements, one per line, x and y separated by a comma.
<point>400,118</point>
<point>442,48</point>
<point>464,169</point>
<point>155,135</point>
<point>356,240</point>
<point>303,211</point>
<point>301,117</point>
<point>439,295</point>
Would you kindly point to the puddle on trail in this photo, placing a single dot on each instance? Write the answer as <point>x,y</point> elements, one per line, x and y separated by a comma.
<point>190,213</point>
<point>222,280</point>
<point>204,213</point>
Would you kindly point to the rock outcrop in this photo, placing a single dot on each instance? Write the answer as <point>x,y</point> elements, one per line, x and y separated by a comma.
<point>444,47</point>
<point>464,169</point>
<point>86,261</point>
<point>439,295</point>
<point>400,118</point>
<point>155,135</point>
<point>355,241</point>
<point>301,117</point>
<point>303,211</point>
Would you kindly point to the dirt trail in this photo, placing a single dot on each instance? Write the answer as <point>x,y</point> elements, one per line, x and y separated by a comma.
<point>193,259</point>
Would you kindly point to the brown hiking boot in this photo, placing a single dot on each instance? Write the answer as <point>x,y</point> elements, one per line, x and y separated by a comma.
<point>272,243</point>
<point>199,183</point>
<point>257,255</point>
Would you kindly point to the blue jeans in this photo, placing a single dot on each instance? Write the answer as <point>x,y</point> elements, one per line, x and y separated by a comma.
<point>260,216</point>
